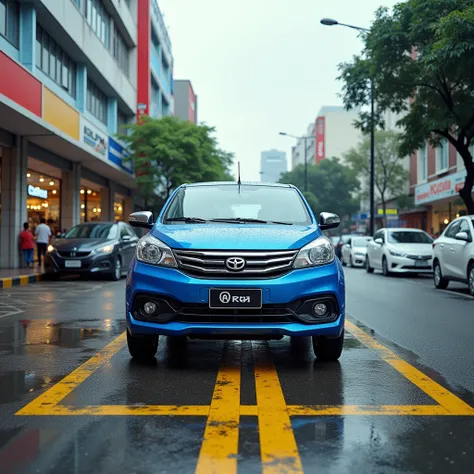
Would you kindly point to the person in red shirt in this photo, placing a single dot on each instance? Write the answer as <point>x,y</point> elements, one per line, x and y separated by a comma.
<point>27,245</point>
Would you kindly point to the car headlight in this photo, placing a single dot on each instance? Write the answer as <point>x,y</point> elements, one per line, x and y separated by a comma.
<point>51,248</point>
<point>396,254</point>
<point>106,249</point>
<point>155,252</point>
<point>318,252</point>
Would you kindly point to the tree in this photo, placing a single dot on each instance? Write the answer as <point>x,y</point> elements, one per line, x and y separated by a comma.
<point>168,152</point>
<point>420,57</point>
<point>390,175</point>
<point>331,186</point>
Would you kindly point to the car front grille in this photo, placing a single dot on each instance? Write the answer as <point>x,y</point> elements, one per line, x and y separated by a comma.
<point>73,254</point>
<point>212,263</point>
<point>420,257</point>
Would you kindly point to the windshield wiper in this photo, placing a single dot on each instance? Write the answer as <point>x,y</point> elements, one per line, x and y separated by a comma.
<point>187,220</point>
<point>247,219</point>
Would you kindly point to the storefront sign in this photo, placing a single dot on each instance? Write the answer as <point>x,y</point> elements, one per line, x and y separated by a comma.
<point>440,189</point>
<point>118,155</point>
<point>388,212</point>
<point>34,191</point>
<point>320,136</point>
<point>93,137</point>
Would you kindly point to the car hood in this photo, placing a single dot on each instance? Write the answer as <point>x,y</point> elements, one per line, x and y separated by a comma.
<point>359,250</point>
<point>81,245</point>
<point>235,236</point>
<point>412,249</point>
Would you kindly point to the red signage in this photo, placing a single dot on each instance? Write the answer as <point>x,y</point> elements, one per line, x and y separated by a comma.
<point>320,143</point>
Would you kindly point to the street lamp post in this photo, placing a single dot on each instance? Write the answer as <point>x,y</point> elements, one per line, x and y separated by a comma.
<point>305,155</point>
<point>331,22</point>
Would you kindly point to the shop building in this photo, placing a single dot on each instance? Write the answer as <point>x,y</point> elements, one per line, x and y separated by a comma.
<point>68,83</point>
<point>436,177</point>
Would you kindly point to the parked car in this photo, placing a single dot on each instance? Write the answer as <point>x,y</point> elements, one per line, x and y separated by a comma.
<point>454,254</point>
<point>93,248</point>
<point>223,261</point>
<point>342,240</point>
<point>400,251</point>
<point>355,251</point>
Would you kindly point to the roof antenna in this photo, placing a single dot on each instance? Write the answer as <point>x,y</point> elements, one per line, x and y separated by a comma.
<point>238,173</point>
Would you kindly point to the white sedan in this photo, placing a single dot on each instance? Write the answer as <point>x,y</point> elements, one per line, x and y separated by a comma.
<point>400,251</point>
<point>355,251</point>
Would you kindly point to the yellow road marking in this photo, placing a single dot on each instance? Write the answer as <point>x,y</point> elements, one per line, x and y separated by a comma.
<point>220,445</point>
<point>49,399</point>
<point>453,404</point>
<point>372,410</point>
<point>278,448</point>
<point>125,410</point>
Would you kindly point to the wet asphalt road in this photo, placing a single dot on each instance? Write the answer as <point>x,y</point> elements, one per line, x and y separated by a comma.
<point>399,400</point>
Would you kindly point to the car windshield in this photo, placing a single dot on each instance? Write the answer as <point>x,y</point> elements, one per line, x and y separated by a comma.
<point>408,237</point>
<point>93,231</point>
<point>360,242</point>
<point>193,204</point>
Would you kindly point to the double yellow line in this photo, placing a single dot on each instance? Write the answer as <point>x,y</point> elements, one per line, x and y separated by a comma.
<point>220,446</point>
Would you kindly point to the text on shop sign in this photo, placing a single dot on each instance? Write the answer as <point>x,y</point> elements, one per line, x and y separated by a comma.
<point>35,191</point>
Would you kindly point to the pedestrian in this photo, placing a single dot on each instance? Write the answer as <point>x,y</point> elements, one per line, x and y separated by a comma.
<point>43,236</point>
<point>27,245</point>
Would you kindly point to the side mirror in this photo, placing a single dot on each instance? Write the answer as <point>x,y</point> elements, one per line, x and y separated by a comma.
<point>379,241</point>
<point>328,220</point>
<point>462,236</point>
<point>126,238</point>
<point>142,219</point>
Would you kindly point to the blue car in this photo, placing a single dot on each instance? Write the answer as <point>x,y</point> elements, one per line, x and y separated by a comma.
<point>235,261</point>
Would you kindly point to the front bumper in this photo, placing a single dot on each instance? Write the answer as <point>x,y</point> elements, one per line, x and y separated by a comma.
<point>358,260</point>
<point>409,265</point>
<point>94,263</point>
<point>298,285</point>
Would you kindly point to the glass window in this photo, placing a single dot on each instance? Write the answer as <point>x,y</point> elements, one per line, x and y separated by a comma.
<point>453,229</point>
<point>442,156</point>
<point>10,21</point>
<point>239,202</point>
<point>360,243</point>
<point>38,46</point>
<point>120,50</point>
<point>90,204</point>
<point>98,19</point>
<point>96,102</point>
<point>93,231</point>
<point>3,18</point>
<point>423,163</point>
<point>465,227</point>
<point>408,237</point>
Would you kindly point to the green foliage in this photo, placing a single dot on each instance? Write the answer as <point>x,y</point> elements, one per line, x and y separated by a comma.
<point>331,186</point>
<point>168,152</point>
<point>390,175</point>
<point>433,87</point>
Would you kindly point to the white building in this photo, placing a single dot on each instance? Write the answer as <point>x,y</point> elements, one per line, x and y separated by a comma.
<point>272,165</point>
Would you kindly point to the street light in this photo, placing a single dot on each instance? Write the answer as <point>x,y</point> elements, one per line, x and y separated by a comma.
<point>331,22</point>
<point>305,155</point>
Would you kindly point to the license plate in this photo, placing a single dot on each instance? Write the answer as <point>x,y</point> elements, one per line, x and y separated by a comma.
<point>422,263</point>
<point>221,298</point>
<point>72,264</point>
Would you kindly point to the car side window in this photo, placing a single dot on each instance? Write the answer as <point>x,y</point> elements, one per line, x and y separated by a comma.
<point>130,231</point>
<point>453,229</point>
<point>379,235</point>
<point>464,227</point>
<point>123,231</point>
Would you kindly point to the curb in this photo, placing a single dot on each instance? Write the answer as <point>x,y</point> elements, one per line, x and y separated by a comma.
<point>20,280</point>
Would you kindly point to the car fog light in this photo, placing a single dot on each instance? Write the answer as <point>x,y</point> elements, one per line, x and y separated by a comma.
<point>320,309</point>
<point>149,307</point>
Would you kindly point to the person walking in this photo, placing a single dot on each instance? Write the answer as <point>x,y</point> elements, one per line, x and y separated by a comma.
<point>27,245</point>
<point>43,236</point>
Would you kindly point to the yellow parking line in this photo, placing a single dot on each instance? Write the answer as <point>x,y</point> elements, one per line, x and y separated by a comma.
<point>453,404</point>
<point>278,448</point>
<point>220,445</point>
<point>49,399</point>
<point>372,410</point>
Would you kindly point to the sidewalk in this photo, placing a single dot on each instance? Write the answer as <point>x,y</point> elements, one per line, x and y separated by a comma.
<point>20,276</point>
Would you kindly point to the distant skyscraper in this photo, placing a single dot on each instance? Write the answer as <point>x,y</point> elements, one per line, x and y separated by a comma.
<point>272,165</point>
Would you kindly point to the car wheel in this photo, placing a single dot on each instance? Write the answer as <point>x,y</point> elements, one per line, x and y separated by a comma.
<point>142,347</point>
<point>328,349</point>
<point>385,270</point>
<point>471,279</point>
<point>440,282</point>
<point>368,268</point>
<point>117,272</point>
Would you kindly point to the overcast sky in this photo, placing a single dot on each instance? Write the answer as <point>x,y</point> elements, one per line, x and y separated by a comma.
<point>262,66</point>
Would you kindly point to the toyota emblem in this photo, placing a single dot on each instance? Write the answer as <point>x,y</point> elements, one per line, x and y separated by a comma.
<point>235,264</point>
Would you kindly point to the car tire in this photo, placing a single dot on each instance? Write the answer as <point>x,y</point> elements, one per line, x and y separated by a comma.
<point>386,272</point>
<point>142,347</point>
<point>328,350</point>
<point>116,274</point>
<point>439,281</point>
<point>470,279</point>
<point>368,268</point>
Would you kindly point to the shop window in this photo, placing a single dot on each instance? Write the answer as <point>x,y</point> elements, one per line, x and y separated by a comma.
<point>43,200</point>
<point>96,102</point>
<point>54,62</point>
<point>119,205</point>
<point>10,21</point>
<point>90,205</point>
